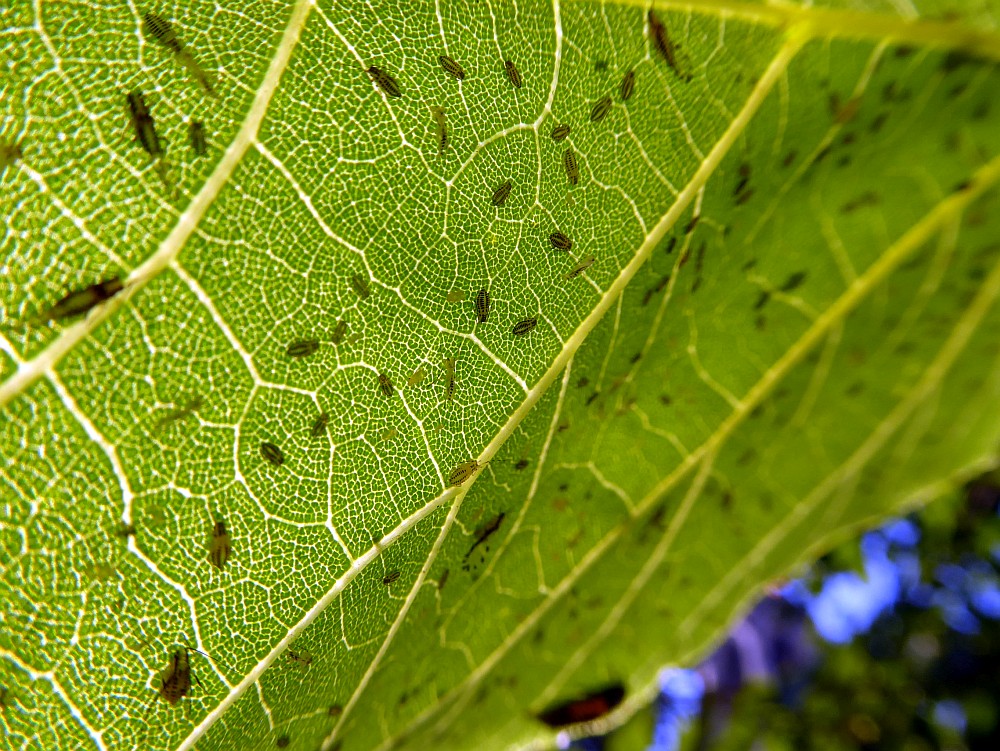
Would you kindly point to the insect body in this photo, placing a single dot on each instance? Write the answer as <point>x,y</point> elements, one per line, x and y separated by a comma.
<point>339,331</point>
<point>82,300</point>
<point>385,82</point>
<point>385,384</point>
<point>560,241</point>
<point>9,153</point>
<point>525,327</point>
<point>590,707</point>
<point>418,375</point>
<point>513,74</point>
<point>560,132</point>
<point>600,110</point>
<point>319,425</point>
<point>572,170</point>
<point>176,679</point>
<point>462,472</point>
<point>220,548</point>
<point>302,658</point>
<point>585,264</point>
<point>272,453</point>
<point>361,286</point>
<point>451,67</point>
<point>500,194</point>
<point>482,305</point>
<point>661,40</point>
<point>442,128</point>
<point>142,124</point>
<point>161,30</point>
<point>449,377</point>
<point>390,577</point>
<point>196,131</point>
<point>302,348</point>
<point>628,85</point>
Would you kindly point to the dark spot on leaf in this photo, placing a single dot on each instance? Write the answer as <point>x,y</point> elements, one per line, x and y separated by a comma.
<point>583,382</point>
<point>665,400</point>
<point>521,464</point>
<point>282,741</point>
<point>592,397</point>
<point>636,357</point>
<point>585,708</point>
<point>692,224</point>
<point>671,243</point>
<point>335,710</point>
<point>789,158</point>
<point>878,122</point>
<point>762,300</point>
<point>868,198</point>
<point>855,389</point>
<point>793,281</point>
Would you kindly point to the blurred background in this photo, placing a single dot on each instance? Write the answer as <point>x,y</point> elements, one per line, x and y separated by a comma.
<point>891,641</point>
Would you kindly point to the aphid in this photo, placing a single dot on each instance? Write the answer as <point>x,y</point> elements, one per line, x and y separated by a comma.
<point>161,30</point>
<point>339,331</point>
<point>560,132</point>
<point>175,681</point>
<point>628,86</point>
<point>482,305</point>
<point>385,384</point>
<point>449,377</point>
<point>272,453</point>
<point>600,65</point>
<point>500,194</point>
<point>451,67</point>
<point>525,327</point>
<point>9,153</point>
<point>586,708</point>
<point>560,241</point>
<point>282,741</point>
<point>220,548</point>
<point>125,530</point>
<point>585,264</point>
<point>462,472</point>
<point>335,710</point>
<point>142,124</point>
<point>302,348</point>
<point>303,658</point>
<point>418,375</point>
<point>390,577</point>
<point>572,170</point>
<point>513,74</point>
<point>389,434</point>
<point>361,286</point>
<point>666,48</point>
<point>442,128</point>
<point>319,425</point>
<point>384,81</point>
<point>600,110</point>
<point>82,300</point>
<point>456,295</point>
<point>196,131</point>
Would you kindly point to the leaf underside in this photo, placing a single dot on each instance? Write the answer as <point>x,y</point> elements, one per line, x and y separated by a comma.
<point>788,332</point>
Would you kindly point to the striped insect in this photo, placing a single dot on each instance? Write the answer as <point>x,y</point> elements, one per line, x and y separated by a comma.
<point>162,31</point>
<point>628,86</point>
<point>451,67</point>
<point>220,547</point>
<point>175,680</point>
<point>572,170</point>
<point>449,377</point>
<point>501,194</point>
<point>339,332</point>
<point>196,134</point>
<point>560,241</point>
<point>271,454</point>
<point>302,348</point>
<point>585,264</point>
<point>462,472</point>
<point>390,577</point>
<point>386,83</point>
<point>385,385</point>
<point>319,425</point>
<point>482,305</point>
<point>560,132</point>
<point>361,286</point>
<point>513,74</point>
<point>600,109</point>
<point>525,327</point>
<point>82,301</point>
<point>143,125</point>
<point>437,113</point>
<point>662,42</point>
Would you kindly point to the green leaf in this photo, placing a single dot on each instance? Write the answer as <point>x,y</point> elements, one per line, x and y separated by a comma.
<point>788,332</point>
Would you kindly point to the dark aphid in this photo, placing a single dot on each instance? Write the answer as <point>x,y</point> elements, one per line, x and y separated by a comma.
<point>442,128</point>
<point>513,74</point>
<point>451,67</point>
<point>142,124</point>
<point>390,577</point>
<point>161,31</point>
<point>572,170</point>
<point>272,453</point>
<point>384,81</point>
<point>500,194</point>
<point>525,327</point>
<point>560,132</point>
<point>220,548</point>
<point>585,264</point>
<point>584,709</point>
<point>462,472</point>
<point>560,241</point>
<point>661,40</point>
<point>319,425</point>
<point>600,110</point>
<point>361,286</point>
<point>176,679</point>
<point>339,331</point>
<point>303,658</point>
<point>418,375</point>
<point>335,710</point>
<point>82,300</point>
<point>482,305</point>
<point>196,130</point>
<point>385,385</point>
<point>9,153</point>
<point>303,348</point>
<point>449,377</point>
<point>125,531</point>
<point>282,741</point>
<point>628,85</point>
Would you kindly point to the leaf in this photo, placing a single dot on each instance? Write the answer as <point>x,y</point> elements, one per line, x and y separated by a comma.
<point>788,331</point>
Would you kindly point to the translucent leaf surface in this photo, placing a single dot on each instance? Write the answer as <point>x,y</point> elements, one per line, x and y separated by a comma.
<point>789,330</point>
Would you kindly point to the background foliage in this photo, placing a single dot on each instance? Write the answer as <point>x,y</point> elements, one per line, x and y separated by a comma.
<point>788,332</point>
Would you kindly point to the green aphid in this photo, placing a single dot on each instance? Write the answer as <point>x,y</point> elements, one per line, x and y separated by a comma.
<point>418,375</point>
<point>82,300</point>
<point>442,128</point>
<point>361,286</point>
<point>272,454</point>
<point>385,82</point>
<point>560,132</point>
<point>600,110</point>
<point>585,264</point>
<point>319,425</point>
<point>339,332</point>
<point>302,348</point>
<point>501,194</point>
<point>525,327</point>
<point>196,132</point>
<point>462,472</point>
<point>449,377</point>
